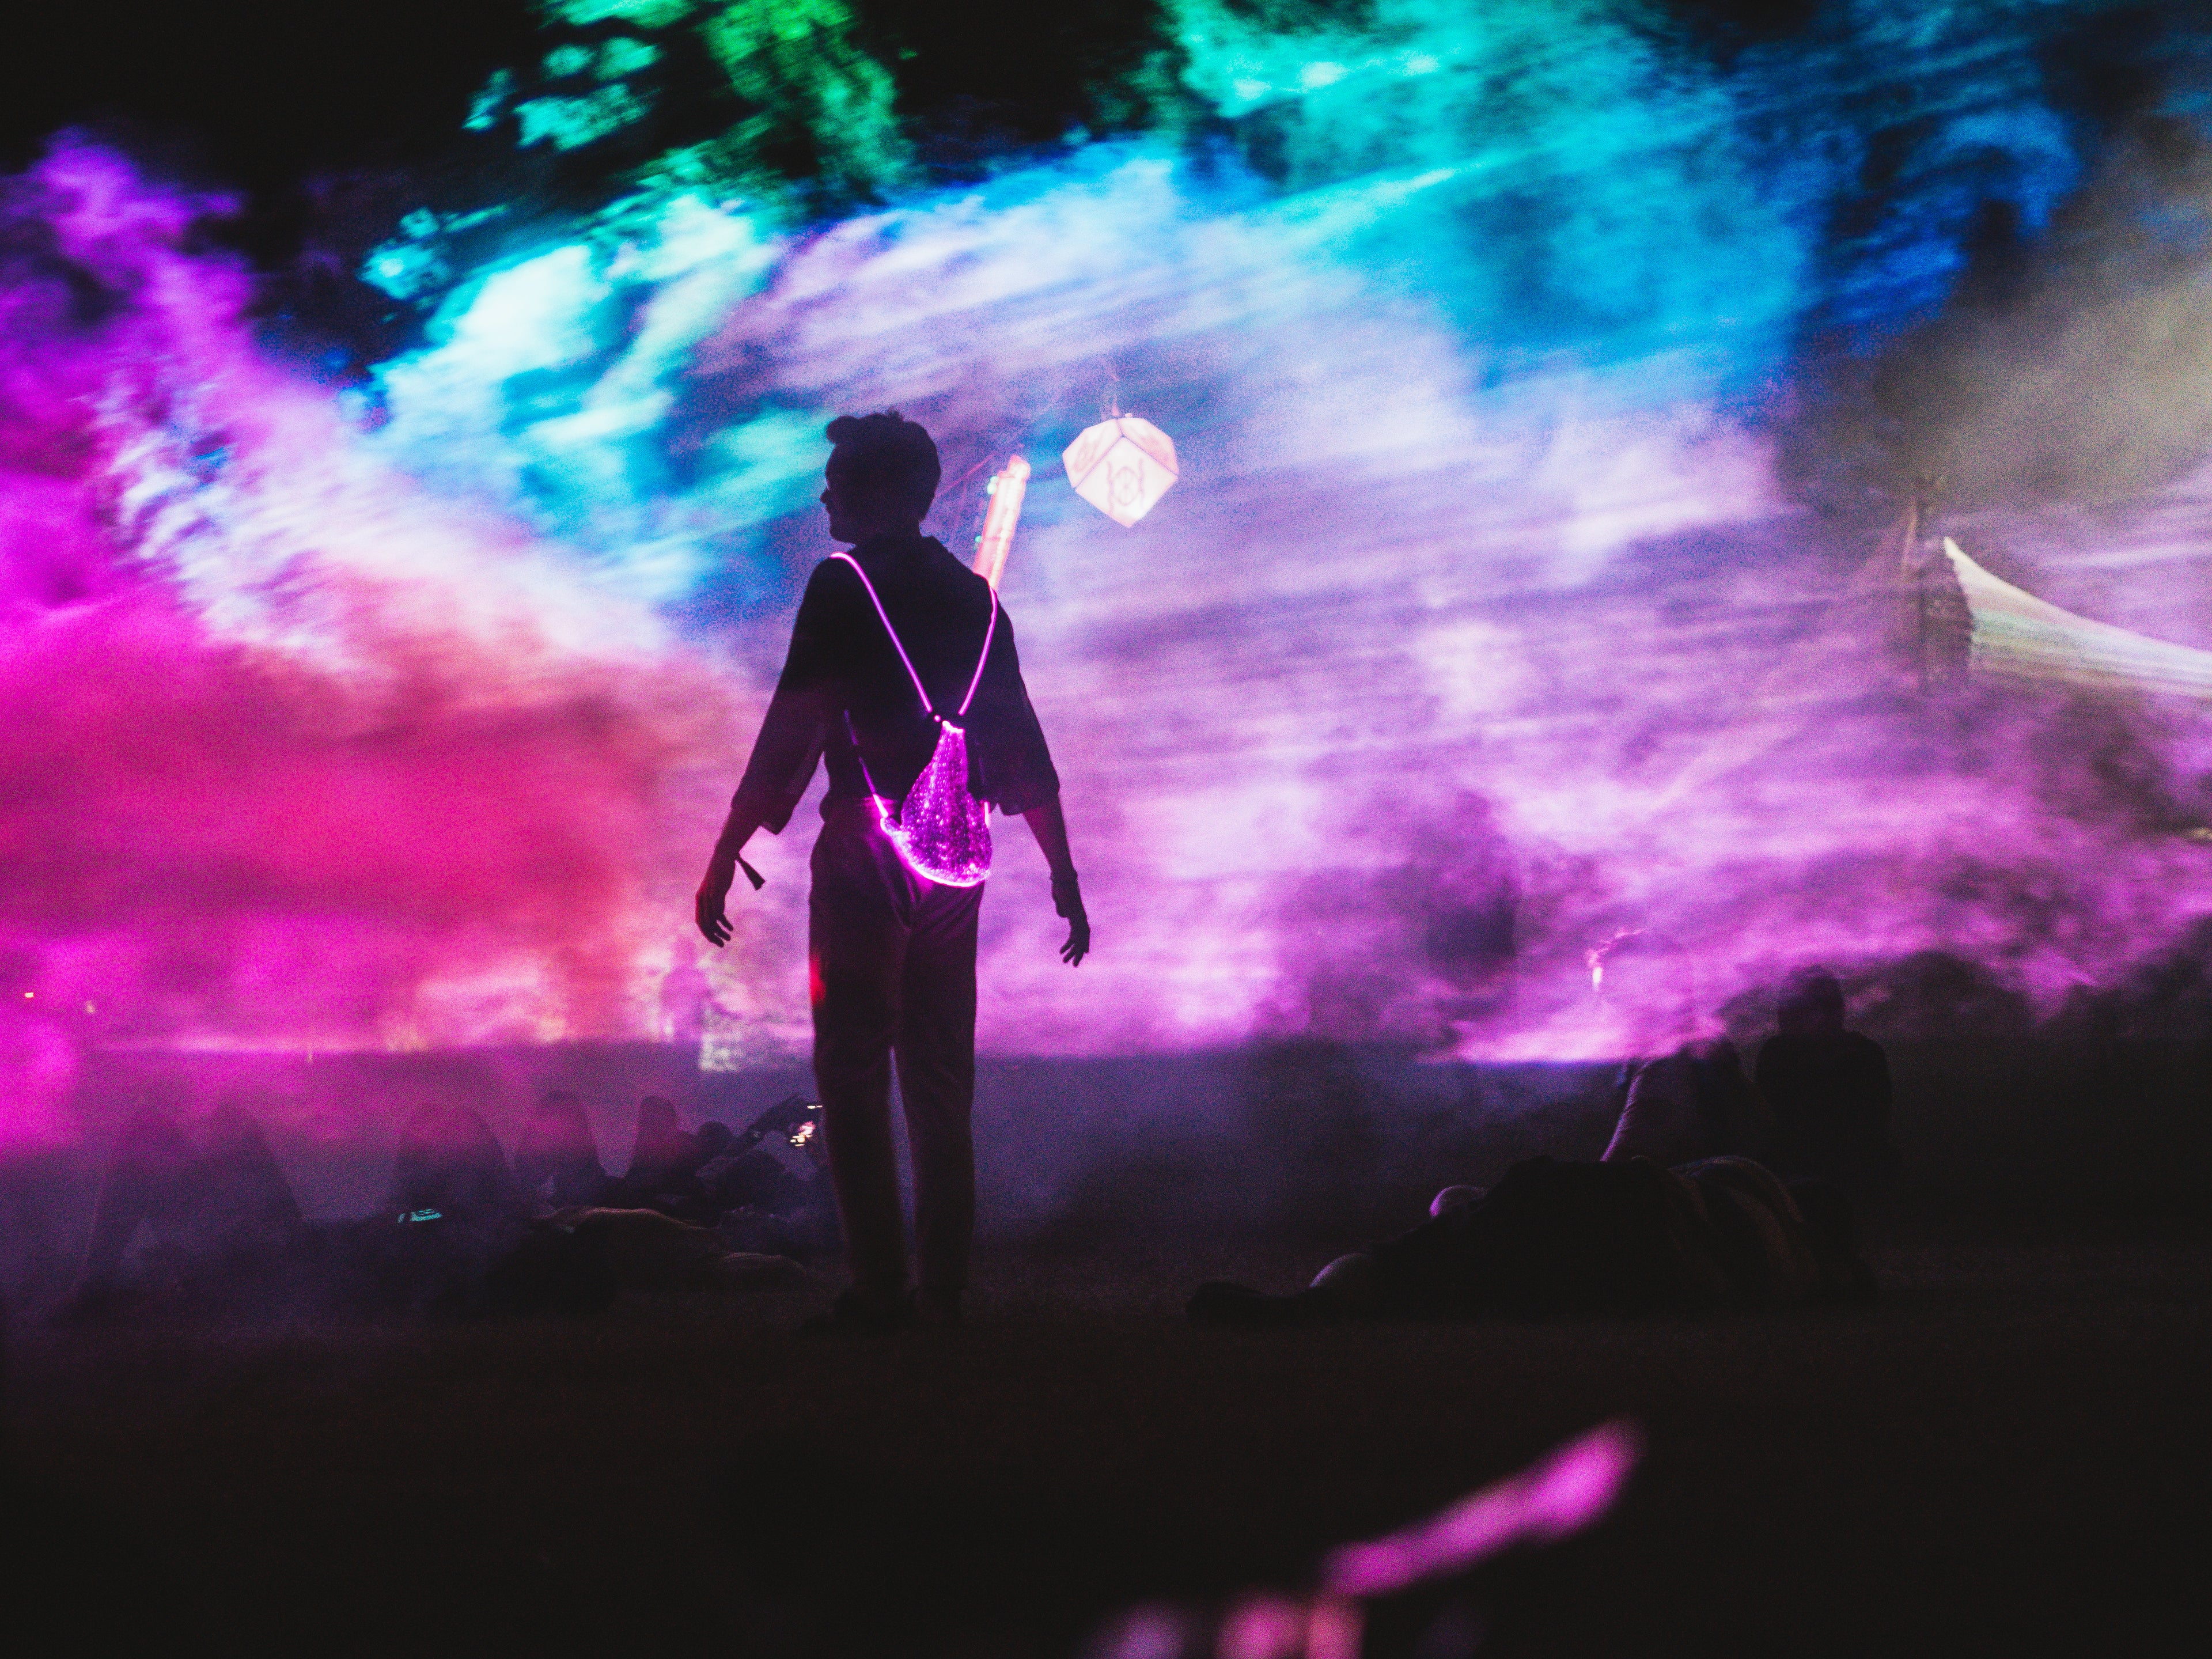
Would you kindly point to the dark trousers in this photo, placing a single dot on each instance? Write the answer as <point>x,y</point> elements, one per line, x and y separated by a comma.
<point>891,971</point>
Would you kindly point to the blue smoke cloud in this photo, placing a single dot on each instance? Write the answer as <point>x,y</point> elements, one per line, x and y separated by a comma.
<point>1581,192</point>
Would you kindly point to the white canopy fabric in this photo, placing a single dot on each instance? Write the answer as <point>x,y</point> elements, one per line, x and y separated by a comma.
<point>2018,636</point>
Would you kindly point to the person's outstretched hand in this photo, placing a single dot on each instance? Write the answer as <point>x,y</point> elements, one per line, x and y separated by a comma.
<point>1067,901</point>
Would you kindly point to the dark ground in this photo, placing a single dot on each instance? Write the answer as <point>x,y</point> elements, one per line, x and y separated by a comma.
<point>2009,1453</point>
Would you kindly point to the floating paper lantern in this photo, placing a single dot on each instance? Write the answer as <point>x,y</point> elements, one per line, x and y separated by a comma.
<point>1121,466</point>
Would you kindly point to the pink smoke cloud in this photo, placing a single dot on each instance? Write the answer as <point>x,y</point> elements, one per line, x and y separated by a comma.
<point>294,753</point>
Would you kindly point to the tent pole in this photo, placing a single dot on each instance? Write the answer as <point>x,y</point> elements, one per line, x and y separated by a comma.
<point>1908,567</point>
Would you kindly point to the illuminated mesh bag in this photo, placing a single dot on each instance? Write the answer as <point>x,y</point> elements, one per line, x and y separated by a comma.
<point>939,828</point>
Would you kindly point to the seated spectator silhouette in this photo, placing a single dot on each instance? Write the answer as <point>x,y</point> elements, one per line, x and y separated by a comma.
<point>449,1166</point>
<point>653,1235</point>
<point>453,1211</point>
<point>219,1210</point>
<point>660,1149</point>
<point>738,1174</point>
<point>1676,1213</point>
<point>1685,1094</point>
<point>1620,1237</point>
<point>763,1205</point>
<point>1828,1089</point>
<point>557,1160</point>
<point>664,1164</point>
<point>712,1140</point>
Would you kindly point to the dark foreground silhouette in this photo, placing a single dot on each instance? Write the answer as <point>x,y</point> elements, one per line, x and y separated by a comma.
<point>460,1231</point>
<point>1623,1237</point>
<point>1828,1090</point>
<point>2000,1454</point>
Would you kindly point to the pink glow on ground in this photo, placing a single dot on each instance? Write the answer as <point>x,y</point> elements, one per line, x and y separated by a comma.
<point>1555,1498</point>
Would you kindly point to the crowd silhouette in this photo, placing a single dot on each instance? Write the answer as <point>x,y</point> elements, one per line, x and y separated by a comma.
<point>197,1213</point>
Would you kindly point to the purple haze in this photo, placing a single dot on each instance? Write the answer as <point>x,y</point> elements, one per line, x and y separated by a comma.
<point>1417,687</point>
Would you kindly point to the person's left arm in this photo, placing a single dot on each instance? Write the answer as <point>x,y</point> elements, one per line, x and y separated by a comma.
<point>1050,825</point>
<point>1016,772</point>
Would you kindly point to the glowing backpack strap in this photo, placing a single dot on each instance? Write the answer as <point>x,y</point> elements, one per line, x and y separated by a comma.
<point>919,690</point>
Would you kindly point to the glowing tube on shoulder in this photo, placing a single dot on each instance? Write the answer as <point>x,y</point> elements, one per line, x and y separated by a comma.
<point>1008,488</point>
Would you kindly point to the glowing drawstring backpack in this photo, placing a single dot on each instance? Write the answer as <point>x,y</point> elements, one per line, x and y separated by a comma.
<point>939,828</point>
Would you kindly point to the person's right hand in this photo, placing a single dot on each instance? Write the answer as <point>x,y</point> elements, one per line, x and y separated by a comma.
<point>1067,903</point>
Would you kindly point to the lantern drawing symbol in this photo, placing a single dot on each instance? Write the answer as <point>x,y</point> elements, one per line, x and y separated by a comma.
<point>1121,466</point>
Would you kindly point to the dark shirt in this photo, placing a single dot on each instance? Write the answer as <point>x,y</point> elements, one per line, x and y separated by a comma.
<point>1618,1237</point>
<point>842,665</point>
<point>1549,1237</point>
<point>1831,1098</point>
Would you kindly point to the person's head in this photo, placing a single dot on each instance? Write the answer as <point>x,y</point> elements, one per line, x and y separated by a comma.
<point>1452,1200</point>
<point>558,1126</point>
<point>153,1132</point>
<point>446,1133</point>
<point>1812,1004</point>
<point>448,1160</point>
<point>881,477</point>
<point>231,1131</point>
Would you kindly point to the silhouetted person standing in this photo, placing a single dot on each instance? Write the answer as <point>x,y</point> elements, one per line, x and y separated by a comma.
<point>891,952</point>
<point>1828,1089</point>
